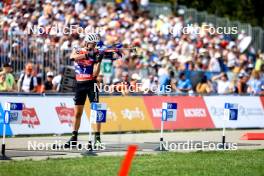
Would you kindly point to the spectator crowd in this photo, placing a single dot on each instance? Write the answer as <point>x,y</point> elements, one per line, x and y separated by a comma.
<point>193,62</point>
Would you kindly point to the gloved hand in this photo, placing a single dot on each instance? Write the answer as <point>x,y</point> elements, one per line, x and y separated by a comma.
<point>99,57</point>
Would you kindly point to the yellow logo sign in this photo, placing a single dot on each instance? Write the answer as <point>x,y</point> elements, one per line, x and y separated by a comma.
<point>124,114</point>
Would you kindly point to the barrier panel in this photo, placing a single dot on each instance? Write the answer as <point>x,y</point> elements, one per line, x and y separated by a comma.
<point>250,111</point>
<point>54,114</point>
<point>192,112</point>
<point>124,114</point>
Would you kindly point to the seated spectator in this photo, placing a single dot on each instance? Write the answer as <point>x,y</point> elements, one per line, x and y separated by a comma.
<point>173,81</point>
<point>135,80</point>
<point>100,79</point>
<point>255,83</point>
<point>56,81</point>
<point>183,85</point>
<point>47,86</point>
<point>27,81</point>
<point>123,85</point>
<point>242,86</point>
<point>101,84</point>
<point>204,86</point>
<point>223,84</point>
<point>39,85</point>
<point>10,79</point>
<point>150,85</point>
<point>3,83</point>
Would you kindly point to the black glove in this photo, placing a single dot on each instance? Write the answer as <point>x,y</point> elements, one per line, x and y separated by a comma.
<point>99,57</point>
<point>96,56</point>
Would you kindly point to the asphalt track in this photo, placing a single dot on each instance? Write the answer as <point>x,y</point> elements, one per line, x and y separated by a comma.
<point>38,148</point>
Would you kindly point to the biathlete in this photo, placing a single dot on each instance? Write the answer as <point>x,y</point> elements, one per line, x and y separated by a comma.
<point>87,67</point>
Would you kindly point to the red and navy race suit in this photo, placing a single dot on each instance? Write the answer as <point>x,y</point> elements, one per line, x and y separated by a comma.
<point>86,82</point>
<point>84,69</point>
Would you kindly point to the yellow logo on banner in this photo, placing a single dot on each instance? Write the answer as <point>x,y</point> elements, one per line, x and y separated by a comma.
<point>124,114</point>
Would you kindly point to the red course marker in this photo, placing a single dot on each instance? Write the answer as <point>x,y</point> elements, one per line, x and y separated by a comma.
<point>253,136</point>
<point>127,161</point>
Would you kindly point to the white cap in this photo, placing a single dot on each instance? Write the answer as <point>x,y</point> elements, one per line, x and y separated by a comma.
<point>50,74</point>
<point>135,76</point>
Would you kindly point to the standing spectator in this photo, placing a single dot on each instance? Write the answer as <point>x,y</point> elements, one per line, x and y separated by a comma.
<point>47,86</point>
<point>204,86</point>
<point>255,83</point>
<point>184,84</point>
<point>223,84</point>
<point>4,49</point>
<point>27,81</point>
<point>10,79</point>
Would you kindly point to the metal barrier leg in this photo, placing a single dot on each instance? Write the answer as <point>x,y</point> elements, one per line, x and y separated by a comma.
<point>90,145</point>
<point>161,144</point>
<point>89,151</point>
<point>4,157</point>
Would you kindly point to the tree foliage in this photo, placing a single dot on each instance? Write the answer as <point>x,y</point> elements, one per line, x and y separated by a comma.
<point>248,11</point>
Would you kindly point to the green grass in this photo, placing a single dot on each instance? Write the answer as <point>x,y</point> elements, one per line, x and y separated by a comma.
<point>235,163</point>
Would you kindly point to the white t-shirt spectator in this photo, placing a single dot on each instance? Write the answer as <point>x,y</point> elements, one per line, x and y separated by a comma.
<point>149,86</point>
<point>57,82</point>
<point>26,81</point>
<point>223,86</point>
